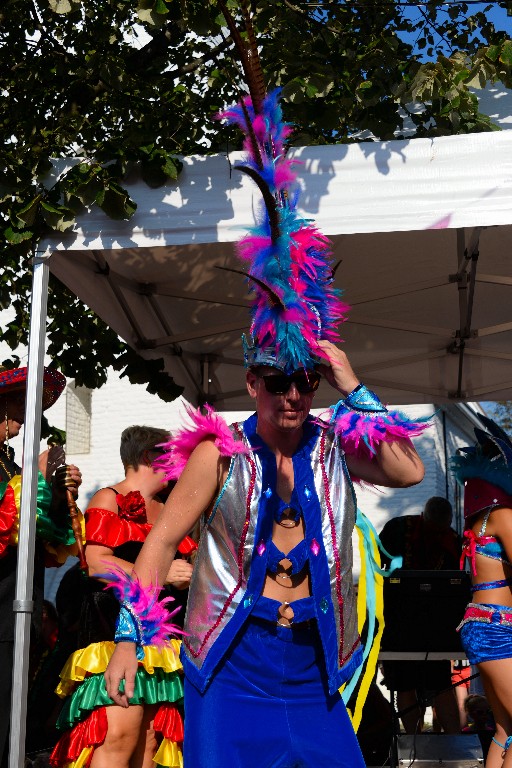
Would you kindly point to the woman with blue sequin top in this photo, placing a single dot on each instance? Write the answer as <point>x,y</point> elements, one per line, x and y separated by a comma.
<point>486,629</point>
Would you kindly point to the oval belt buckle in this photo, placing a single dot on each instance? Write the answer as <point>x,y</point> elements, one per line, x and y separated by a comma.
<point>282,615</point>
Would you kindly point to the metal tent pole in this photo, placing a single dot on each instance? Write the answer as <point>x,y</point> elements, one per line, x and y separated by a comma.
<point>23,605</point>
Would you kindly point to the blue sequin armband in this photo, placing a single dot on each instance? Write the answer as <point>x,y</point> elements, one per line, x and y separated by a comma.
<point>129,629</point>
<point>364,400</point>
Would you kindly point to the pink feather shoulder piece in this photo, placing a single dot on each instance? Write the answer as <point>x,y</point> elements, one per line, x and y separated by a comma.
<point>202,426</point>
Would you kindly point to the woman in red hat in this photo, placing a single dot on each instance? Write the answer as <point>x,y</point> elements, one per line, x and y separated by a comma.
<point>55,538</point>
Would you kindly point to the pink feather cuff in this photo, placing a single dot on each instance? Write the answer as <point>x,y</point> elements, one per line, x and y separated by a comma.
<point>362,432</point>
<point>179,449</point>
<point>143,618</point>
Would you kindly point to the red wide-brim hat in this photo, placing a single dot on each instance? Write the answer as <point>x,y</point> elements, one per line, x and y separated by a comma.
<point>15,380</point>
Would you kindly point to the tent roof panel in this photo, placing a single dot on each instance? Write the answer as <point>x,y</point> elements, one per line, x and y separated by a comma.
<point>401,216</point>
<point>417,184</point>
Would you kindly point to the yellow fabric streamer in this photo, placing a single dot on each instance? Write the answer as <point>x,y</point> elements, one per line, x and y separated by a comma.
<point>94,659</point>
<point>371,662</point>
<point>169,755</point>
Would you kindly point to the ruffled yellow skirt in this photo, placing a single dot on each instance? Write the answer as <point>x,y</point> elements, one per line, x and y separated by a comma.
<point>158,681</point>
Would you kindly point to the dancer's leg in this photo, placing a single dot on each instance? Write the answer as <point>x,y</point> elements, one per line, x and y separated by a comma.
<point>496,676</point>
<point>147,744</point>
<point>122,736</point>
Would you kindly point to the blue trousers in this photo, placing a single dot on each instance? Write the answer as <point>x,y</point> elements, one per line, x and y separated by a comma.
<point>268,707</point>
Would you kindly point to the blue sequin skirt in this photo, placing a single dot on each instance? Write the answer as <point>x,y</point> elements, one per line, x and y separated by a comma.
<point>486,632</point>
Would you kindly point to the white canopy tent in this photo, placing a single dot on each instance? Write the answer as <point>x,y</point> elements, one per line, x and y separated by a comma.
<point>422,228</point>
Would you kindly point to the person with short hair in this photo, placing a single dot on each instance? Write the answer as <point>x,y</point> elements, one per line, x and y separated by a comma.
<point>426,542</point>
<point>479,714</point>
<point>480,721</point>
<point>117,522</point>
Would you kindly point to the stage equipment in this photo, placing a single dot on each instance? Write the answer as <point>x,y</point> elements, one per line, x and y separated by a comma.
<point>422,610</point>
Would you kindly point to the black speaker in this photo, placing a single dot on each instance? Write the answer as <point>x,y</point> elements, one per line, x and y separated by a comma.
<point>423,608</point>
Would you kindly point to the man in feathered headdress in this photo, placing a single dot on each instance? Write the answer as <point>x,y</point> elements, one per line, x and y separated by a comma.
<point>272,623</point>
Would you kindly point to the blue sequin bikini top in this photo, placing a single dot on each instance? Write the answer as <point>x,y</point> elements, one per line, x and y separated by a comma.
<point>487,546</point>
<point>298,557</point>
<point>280,507</point>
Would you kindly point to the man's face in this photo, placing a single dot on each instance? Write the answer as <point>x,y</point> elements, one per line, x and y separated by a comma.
<point>284,410</point>
<point>12,407</point>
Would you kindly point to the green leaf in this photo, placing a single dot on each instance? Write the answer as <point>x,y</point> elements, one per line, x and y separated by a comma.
<point>506,53</point>
<point>57,217</point>
<point>117,203</point>
<point>16,236</point>
<point>493,52</point>
<point>160,7</point>
<point>52,434</point>
<point>27,215</point>
<point>172,167</point>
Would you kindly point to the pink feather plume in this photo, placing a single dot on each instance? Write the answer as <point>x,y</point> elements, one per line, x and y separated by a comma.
<point>180,447</point>
<point>362,433</point>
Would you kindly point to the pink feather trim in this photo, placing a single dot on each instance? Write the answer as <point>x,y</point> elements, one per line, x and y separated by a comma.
<point>180,447</point>
<point>361,434</point>
<point>143,602</point>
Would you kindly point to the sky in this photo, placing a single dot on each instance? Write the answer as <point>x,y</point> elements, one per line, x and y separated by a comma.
<point>498,15</point>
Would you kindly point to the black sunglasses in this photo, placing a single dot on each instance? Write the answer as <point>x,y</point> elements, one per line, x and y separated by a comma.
<point>279,383</point>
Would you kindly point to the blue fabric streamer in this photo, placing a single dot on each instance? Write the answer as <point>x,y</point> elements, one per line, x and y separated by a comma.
<point>372,569</point>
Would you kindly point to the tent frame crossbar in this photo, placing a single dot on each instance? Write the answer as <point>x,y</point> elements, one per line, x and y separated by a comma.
<point>466,283</point>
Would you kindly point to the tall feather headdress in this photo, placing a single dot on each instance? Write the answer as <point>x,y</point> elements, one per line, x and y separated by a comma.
<point>287,261</point>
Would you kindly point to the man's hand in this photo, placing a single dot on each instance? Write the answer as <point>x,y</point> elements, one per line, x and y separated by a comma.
<point>337,371</point>
<point>122,666</point>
